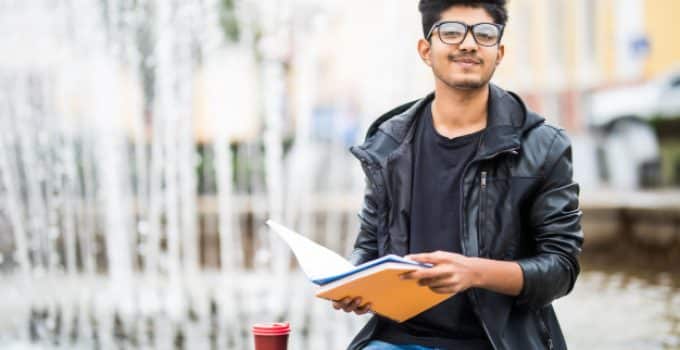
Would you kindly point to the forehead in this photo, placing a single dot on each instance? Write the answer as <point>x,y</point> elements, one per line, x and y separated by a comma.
<point>466,14</point>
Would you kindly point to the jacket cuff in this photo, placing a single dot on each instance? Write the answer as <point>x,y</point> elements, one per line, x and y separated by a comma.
<point>523,300</point>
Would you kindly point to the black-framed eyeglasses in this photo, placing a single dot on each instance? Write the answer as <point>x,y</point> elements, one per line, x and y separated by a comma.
<point>454,32</point>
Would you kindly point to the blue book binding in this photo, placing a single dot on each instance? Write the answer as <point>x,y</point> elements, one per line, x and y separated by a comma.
<point>368,265</point>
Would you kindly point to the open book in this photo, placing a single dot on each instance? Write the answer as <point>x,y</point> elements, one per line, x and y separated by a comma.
<point>377,282</point>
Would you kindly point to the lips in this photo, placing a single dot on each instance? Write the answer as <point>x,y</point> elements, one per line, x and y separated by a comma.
<point>467,61</point>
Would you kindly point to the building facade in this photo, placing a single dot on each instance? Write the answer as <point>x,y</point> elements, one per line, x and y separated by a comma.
<point>559,51</point>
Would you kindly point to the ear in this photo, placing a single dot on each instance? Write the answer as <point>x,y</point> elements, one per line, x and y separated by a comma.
<point>424,49</point>
<point>500,54</point>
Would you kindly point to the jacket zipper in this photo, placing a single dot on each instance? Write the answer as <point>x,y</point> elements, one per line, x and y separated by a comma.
<point>482,216</point>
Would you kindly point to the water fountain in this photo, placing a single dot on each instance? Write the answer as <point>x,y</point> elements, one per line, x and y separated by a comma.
<point>101,221</point>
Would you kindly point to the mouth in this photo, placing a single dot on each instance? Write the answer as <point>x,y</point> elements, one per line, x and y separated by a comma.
<point>467,62</point>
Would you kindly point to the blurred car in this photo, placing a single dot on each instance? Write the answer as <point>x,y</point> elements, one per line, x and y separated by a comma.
<point>658,98</point>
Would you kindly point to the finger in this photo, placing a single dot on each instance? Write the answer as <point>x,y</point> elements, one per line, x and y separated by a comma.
<point>407,275</point>
<point>453,280</point>
<point>444,290</point>
<point>415,274</point>
<point>430,258</point>
<point>363,309</point>
<point>340,304</point>
<point>435,272</point>
<point>418,257</point>
<point>346,308</point>
<point>352,305</point>
<point>435,281</point>
<point>346,301</point>
<point>442,283</point>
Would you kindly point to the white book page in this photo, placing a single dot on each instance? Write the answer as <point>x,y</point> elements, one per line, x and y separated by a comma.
<point>316,261</point>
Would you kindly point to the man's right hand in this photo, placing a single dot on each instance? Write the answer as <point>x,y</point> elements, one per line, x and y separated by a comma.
<point>352,305</point>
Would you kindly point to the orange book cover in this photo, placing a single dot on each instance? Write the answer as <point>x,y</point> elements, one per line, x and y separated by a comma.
<point>389,295</point>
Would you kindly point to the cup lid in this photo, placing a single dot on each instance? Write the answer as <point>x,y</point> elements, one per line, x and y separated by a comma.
<point>277,328</point>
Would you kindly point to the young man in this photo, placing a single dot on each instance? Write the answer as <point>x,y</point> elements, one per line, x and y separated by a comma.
<point>471,181</point>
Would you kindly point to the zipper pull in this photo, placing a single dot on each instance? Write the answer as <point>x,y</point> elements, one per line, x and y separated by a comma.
<point>483,179</point>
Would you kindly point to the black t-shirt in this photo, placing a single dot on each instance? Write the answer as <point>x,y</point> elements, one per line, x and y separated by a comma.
<point>435,225</point>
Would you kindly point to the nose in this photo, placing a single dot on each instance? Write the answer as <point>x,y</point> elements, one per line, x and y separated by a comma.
<point>469,43</point>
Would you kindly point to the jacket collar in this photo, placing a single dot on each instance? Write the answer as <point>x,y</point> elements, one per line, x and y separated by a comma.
<point>508,119</point>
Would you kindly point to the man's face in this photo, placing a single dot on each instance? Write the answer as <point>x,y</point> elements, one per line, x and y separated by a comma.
<point>467,65</point>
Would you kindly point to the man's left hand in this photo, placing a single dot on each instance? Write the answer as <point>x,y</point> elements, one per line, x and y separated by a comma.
<point>450,273</point>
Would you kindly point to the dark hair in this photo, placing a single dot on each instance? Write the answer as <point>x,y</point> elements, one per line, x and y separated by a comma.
<point>431,10</point>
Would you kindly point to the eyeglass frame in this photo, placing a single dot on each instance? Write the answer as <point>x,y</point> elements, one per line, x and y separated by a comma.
<point>469,28</point>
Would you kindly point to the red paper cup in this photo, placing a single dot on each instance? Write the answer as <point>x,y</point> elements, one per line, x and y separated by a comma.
<point>271,336</point>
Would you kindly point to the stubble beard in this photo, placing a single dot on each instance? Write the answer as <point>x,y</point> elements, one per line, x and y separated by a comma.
<point>465,84</point>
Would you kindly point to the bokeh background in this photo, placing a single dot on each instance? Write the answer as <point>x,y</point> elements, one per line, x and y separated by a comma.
<point>144,142</point>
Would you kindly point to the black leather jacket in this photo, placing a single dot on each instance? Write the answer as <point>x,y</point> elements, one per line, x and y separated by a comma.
<point>519,204</point>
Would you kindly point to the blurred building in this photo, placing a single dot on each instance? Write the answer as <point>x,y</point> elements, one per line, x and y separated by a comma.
<point>559,51</point>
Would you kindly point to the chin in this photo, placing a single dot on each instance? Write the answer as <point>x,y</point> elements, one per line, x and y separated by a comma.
<point>461,80</point>
<point>467,84</point>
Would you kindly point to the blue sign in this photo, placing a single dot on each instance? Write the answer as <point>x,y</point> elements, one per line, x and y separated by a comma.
<point>640,46</point>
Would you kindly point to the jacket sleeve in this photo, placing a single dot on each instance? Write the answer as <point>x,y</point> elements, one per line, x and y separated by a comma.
<point>555,222</point>
<point>366,244</point>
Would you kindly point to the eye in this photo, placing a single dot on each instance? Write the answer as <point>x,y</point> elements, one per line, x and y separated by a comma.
<point>483,35</point>
<point>452,30</point>
<point>452,34</point>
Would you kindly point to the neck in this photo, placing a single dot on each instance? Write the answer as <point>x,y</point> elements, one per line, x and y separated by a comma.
<point>459,112</point>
